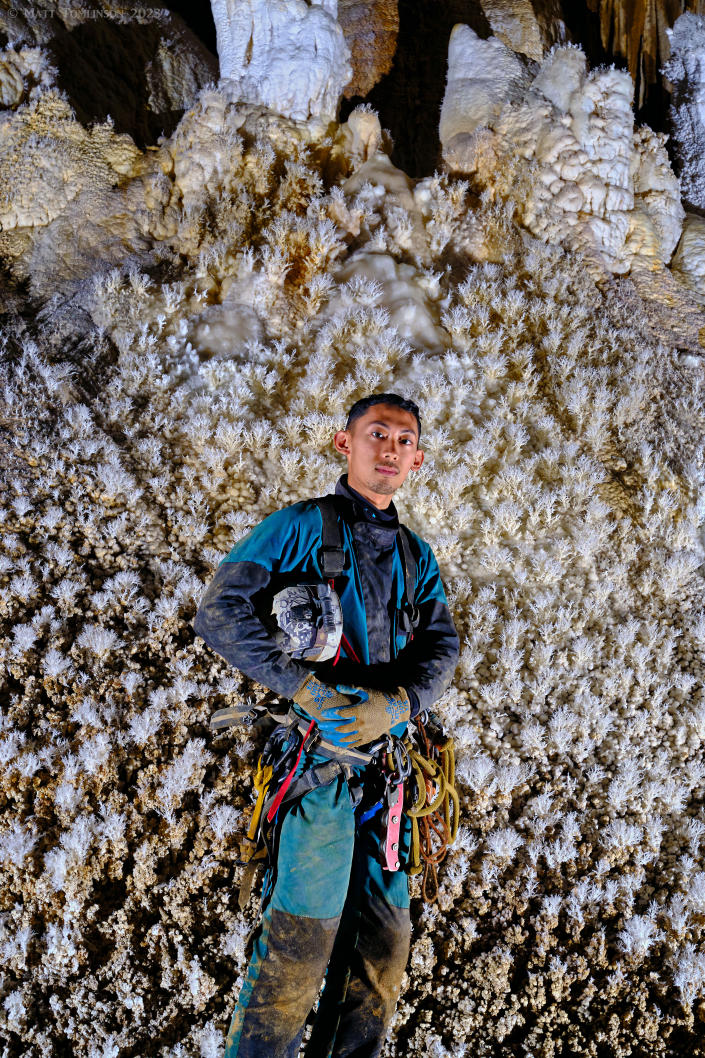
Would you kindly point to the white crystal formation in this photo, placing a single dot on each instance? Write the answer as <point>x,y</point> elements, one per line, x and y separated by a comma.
<point>287,55</point>
<point>689,258</point>
<point>686,72</point>
<point>564,148</point>
<point>24,72</point>
<point>482,76</point>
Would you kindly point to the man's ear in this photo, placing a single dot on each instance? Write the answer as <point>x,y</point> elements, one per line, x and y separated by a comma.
<point>341,441</point>
<point>418,459</point>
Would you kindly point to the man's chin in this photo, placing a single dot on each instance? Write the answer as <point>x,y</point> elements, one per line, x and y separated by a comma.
<point>385,487</point>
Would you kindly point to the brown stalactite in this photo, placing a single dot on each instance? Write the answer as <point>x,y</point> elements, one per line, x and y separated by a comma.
<point>635,32</point>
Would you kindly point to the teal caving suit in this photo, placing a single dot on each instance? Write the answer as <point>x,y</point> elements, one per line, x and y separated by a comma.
<point>330,909</point>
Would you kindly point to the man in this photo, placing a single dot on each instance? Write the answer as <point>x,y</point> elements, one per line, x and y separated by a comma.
<point>330,907</point>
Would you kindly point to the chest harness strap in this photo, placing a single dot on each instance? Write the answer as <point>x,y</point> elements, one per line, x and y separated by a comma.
<point>331,559</point>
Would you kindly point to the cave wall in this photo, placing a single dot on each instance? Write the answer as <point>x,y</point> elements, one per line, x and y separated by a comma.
<point>182,329</point>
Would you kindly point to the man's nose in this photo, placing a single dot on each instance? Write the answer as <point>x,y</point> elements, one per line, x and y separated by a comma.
<point>391,448</point>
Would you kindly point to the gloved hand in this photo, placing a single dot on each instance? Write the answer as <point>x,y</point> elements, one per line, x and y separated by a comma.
<point>372,715</point>
<point>323,702</point>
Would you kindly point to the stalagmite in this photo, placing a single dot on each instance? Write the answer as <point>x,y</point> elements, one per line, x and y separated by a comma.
<point>482,76</point>
<point>689,258</point>
<point>287,55</point>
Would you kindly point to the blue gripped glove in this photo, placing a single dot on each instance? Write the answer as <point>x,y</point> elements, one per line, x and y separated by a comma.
<point>321,702</point>
<point>370,715</point>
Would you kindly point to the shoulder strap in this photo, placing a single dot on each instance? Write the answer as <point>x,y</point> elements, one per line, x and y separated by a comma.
<point>331,558</point>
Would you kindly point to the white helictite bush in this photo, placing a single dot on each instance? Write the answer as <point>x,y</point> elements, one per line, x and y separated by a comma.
<point>685,71</point>
<point>162,409</point>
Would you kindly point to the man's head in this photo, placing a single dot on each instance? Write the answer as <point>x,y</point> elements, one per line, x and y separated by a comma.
<point>381,445</point>
<point>392,399</point>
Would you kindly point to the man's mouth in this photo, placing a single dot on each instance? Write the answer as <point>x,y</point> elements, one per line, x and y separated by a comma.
<point>384,468</point>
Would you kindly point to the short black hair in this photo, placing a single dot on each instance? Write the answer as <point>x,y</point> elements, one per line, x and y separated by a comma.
<point>360,407</point>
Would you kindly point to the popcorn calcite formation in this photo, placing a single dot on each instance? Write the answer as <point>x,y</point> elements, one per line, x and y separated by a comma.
<point>566,149</point>
<point>563,492</point>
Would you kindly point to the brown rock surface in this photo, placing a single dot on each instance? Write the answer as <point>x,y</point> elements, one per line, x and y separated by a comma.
<point>530,27</point>
<point>370,30</point>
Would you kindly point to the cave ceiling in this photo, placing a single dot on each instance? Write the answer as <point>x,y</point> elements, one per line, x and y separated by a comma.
<point>399,58</point>
<point>399,53</point>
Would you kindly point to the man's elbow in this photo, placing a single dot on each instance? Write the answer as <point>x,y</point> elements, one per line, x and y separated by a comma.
<point>208,620</point>
<point>200,623</point>
<point>451,649</point>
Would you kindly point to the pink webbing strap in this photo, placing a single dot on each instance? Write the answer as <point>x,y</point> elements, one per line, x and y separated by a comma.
<point>287,782</point>
<point>344,641</point>
<point>391,839</point>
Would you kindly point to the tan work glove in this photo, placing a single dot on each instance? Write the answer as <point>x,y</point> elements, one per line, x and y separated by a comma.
<point>373,715</point>
<point>322,702</point>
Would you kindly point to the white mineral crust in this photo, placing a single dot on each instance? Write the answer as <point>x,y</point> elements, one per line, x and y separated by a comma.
<point>686,72</point>
<point>581,173</point>
<point>689,258</point>
<point>482,76</point>
<point>23,72</point>
<point>287,55</point>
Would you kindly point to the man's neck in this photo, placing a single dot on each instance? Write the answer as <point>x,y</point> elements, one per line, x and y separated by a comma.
<point>379,500</point>
<point>388,512</point>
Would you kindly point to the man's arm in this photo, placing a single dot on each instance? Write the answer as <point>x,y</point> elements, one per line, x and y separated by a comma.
<point>427,663</point>
<point>227,617</point>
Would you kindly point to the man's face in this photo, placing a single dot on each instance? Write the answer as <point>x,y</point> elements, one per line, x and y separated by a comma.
<point>381,447</point>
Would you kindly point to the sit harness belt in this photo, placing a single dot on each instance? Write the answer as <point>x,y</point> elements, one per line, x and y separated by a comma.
<point>421,766</point>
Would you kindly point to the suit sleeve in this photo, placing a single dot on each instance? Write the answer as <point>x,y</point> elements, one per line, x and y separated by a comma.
<point>428,661</point>
<point>227,617</point>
